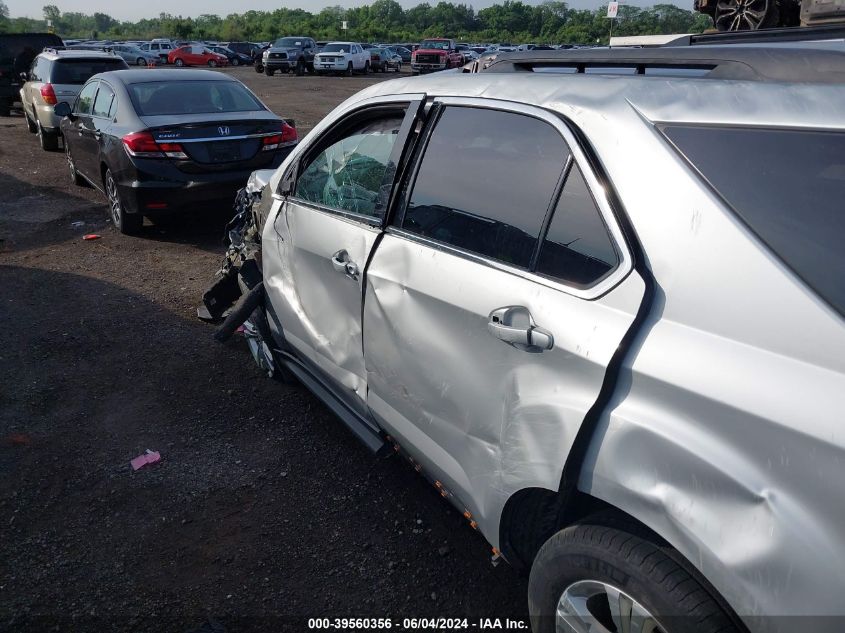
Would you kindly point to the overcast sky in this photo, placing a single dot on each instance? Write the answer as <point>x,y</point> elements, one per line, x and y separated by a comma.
<point>124,10</point>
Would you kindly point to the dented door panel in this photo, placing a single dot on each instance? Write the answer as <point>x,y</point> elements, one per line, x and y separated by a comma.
<point>483,416</point>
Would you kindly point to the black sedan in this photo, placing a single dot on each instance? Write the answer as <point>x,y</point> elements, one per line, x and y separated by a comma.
<point>158,141</point>
<point>235,58</point>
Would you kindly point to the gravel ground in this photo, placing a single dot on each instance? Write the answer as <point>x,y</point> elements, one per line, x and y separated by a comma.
<point>263,510</point>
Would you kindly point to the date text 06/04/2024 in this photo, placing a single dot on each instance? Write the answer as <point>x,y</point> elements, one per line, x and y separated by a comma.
<point>417,624</point>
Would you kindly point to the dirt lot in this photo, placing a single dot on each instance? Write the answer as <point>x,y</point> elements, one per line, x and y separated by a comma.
<point>264,510</point>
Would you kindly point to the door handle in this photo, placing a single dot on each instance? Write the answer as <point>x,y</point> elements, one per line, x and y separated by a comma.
<point>342,264</point>
<point>515,326</point>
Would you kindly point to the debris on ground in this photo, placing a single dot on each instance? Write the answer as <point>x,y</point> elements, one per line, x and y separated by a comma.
<point>149,457</point>
<point>77,224</point>
<point>91,236</point>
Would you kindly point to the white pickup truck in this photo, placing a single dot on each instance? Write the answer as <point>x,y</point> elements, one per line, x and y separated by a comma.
<point>345,57</point>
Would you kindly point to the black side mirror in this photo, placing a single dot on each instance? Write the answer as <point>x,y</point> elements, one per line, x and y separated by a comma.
<point>62,109</point>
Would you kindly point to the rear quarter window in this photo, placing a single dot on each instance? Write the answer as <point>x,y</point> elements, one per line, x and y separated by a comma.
<point>787,186</point>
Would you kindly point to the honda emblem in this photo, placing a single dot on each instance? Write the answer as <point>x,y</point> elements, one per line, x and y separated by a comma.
<point>224,130</point>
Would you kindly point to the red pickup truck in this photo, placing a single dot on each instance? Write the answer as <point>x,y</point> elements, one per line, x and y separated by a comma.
<point>435,54</point>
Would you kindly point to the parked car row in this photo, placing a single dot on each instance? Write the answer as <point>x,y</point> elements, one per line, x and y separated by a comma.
<point>153,141</point>
<point>303,55</point>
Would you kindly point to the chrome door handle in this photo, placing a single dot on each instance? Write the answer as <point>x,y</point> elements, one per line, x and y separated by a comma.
<point>342,264</point>
<point>514,326</point>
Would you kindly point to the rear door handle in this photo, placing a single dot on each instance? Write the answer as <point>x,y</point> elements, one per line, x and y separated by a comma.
<point>342,264</point>
<point>515,326</point>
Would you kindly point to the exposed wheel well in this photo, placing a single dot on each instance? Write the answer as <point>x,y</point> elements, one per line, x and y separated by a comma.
<point>533,515</point>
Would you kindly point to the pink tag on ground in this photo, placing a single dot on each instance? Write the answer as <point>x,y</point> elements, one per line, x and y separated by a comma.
<point>150,457</point>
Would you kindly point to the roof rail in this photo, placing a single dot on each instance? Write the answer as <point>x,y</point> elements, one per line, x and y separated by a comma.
<point>731,62</point>
<point>763,36</point>
<point>54,49</point>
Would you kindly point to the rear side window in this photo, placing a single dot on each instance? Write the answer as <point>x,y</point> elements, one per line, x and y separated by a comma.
<point>78,71</point>
<point>577,248</point>
<point>486,183</point>
<point>788,186</point>
<point>103,102</point>
<point>192,97</point>
<point>85,101</point>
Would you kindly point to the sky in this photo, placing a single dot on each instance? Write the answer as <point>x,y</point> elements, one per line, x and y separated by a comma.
<point>125,10</point>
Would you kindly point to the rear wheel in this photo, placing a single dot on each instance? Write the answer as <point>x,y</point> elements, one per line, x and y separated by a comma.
<point>235,61</point>
<point>126,223</point>
<point>300,68</point>
<point>399,67</point>
<point>609,575</point>
<point>366,68</point>
<point>49,141</point>
<point>30,125</point>
<point>212,63</point>
<point>140,62</point>
<point>179,62</point>
<point>259,68</point>
<point>745,15</point>
<point>349,70</point>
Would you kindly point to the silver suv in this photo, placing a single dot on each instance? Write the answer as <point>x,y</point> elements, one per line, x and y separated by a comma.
<point>603,315</point>
<point>57,75</point>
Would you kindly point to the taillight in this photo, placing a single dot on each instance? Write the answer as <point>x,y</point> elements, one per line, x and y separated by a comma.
<point>48,94</point>
<point>144,145</point>
<point>285,138</point>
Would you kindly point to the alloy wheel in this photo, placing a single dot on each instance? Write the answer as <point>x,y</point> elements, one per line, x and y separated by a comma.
<point>114,199</point>
<point>591,605</point>
<point>71,165</point>
<point>745,15</point>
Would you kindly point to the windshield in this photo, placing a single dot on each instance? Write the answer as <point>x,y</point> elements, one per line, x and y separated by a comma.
<point>336,48</point>
<point>787,186</point>
<point>77,71</point>
<point>192,97</point>
<point>439,44</point>
<point>288,42</point>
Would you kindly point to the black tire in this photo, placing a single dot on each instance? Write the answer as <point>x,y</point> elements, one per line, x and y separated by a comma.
<point>259,68</point>
<point>30,124</point>
<point>399,67</point>
<point>310,69</point>
<point>349,70</point>
<point>235,61</point>
<point>300,68</point>
<point>367,68</point>
<point>75,178</point>
<point>5,108</point>
<point>212,63</point>
<point>269,71</point>
<point>415,73</point>
<point>49,141</point>
<point>140,62</point>
<point>737,15</point>
<point>607,550</point>
<point>179,62</point>
<point>126,223</point>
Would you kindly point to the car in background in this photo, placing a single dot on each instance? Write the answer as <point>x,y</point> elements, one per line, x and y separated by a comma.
<point>235,59</point>
<point>378,59</point>
<point>134,56</point>
<point>159,141</point>
<point>435,54</point>
<point>403,52</point>
<point>196,55</point>
<point>17,50</point>
<point>290,54</point>
<point>57,76</point>
<point>342,57</point>
<point>162,48</point>
<point>244,48</point>
<point>391,59</point>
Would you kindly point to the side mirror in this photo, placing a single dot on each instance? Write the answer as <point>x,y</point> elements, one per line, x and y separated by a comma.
<point>62,109</point>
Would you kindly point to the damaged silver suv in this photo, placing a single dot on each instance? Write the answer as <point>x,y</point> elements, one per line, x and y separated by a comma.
<point>603,315</point>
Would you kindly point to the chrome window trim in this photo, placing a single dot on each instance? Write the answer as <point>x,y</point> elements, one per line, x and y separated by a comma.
<point>604,285</point>
<point>351,216</point>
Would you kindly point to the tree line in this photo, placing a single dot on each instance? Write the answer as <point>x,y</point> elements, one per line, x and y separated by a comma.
<point>514,21</point>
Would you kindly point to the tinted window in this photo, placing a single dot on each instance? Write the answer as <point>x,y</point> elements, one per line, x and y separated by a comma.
<point>103,102</point>
<point>486,183</point>
<point>86,98</point>
<point>351,173</point>
<point>788,186</point>
<point>577,248</point>
<point>192,97</point>
<point>78,71</point>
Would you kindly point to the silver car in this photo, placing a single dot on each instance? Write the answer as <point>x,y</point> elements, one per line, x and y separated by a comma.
<point>623,360</point>
<point>134,56</point>
<point>57,76</point>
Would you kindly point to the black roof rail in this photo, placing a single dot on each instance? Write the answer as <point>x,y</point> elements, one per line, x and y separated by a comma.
<point>734,62</point>
<point>764,36</point>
